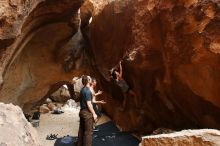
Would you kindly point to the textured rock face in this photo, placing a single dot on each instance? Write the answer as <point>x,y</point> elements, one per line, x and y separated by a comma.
<point>204,137</point>
<point>15,128</point>
<point>170,53</point>
<point>170,58</point>
<point>36,44</point>
<point>13,13</point>
<point>20,18</point>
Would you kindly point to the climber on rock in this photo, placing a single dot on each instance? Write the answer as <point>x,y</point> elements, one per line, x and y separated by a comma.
<point>117,76</point>
<point>92,88</point>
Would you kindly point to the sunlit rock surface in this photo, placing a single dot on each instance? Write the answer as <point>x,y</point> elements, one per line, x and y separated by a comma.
<point>15,129</point>
<point>203,137</point>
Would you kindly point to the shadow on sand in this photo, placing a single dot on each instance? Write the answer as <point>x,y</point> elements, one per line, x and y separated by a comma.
<point>104,135</point>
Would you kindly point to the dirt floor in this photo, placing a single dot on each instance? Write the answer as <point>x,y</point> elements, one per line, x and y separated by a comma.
<point>63,124</point>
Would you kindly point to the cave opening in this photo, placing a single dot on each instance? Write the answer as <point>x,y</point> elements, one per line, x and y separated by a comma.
<point>169,53</point>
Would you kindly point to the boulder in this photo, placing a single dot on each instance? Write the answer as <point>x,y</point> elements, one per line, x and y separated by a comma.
<point>70,105</point>
<point>202,137</point>
<point>15,129</point>
<point>44,109</point>
<point>77,84</point>
<point>61,95</point>
<point>48,100</point>
<point>51,106</point>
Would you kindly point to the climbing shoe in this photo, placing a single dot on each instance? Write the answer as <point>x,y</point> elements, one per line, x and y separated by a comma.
<point>51,137</point>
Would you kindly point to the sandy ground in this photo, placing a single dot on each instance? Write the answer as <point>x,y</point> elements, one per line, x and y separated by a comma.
<point>63,124</point>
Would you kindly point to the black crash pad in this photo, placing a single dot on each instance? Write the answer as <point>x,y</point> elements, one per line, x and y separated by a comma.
<point>105,135</point>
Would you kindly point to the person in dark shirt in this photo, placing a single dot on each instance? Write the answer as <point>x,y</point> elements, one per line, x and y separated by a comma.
<point>126,90</point>
<point>87,114</point>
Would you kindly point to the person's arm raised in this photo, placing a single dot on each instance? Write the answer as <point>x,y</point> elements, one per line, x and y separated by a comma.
<point>98,102</point>
<point>120,70</point>
<point>101,102</point>
<point>98,93</point>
